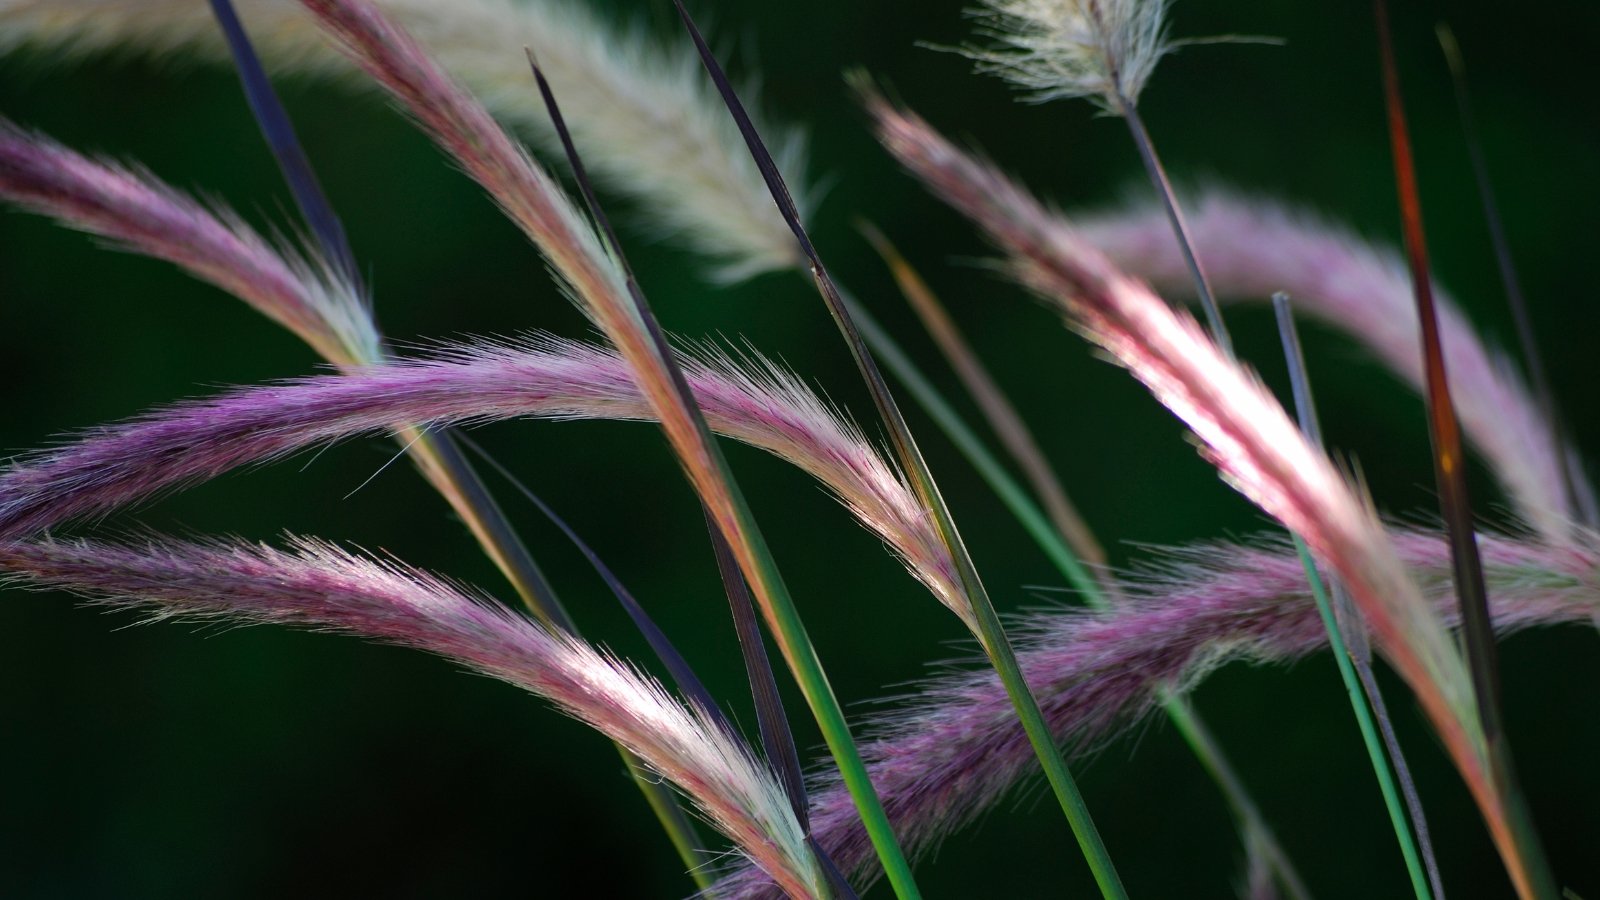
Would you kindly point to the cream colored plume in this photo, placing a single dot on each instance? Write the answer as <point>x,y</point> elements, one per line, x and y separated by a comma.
<point>1104,50</point>
<point>643,114</point>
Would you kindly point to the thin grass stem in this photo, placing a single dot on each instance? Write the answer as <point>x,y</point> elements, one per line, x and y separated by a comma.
<point>997,409</point>
<point>1351,647</point>
<point>785,618</point>
<point>1251,822</point>
<point>991,632</point>
<point>435,453</point>
<point>1169,202</point>
<point>1530,870</point>
<point>1352,637</point>
<point>1369,736</point>
<point>1408,786</point>
<point>1532,359</point>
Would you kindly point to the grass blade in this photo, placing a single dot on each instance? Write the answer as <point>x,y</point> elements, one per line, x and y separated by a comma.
<point>286,149</point>
<point>990,631</point>
<point>1529,868</point>
<point>774,727</point>
<point>683,675</point>
<point>1002,416</point>
<point>776,737</point>
<point>1347,635</point>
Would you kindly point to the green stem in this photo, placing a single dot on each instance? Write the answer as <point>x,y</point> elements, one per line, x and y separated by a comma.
<point>990,630</point>
<point>807,668</point>
<point>653,361</point>
<point>1169,203</point>
<point>1034,520</point>
<point>1369,731</point>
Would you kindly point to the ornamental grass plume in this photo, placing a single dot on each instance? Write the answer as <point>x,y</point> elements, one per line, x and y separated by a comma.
<point>316,585</point>
<point>1254,247</point>
<point>950,753</point>
<point>945,753</point>
<point>133,210</point>
<point>758,403</point>
<point>1104,50</point>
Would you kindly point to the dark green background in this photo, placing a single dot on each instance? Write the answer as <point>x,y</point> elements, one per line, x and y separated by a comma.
<point>173,761</point>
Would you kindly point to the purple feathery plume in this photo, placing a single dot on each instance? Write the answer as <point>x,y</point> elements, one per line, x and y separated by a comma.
<point>1254,248</point>
<point>319,586</point>
<point>134,210</point>
<point>758,403</point>
<point>953,750</point>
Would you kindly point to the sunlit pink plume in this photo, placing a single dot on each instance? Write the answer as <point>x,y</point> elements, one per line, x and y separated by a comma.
<point>319,586</point>
<point>1253,248</point>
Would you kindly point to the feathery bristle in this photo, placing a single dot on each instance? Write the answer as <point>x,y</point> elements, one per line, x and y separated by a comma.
<point>319,586</point>
<point>1254,248</point>
<point>303,292</point>
<point>1104,50</point>
<point>953,751</point>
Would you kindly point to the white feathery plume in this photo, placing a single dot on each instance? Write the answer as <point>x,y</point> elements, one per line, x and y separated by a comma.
<point>1104,50</point>
<point>646,120</point>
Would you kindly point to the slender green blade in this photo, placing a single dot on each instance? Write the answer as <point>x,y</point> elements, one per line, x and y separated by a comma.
<point>991,632</point>
<point>1347,636</point>
<point>807,667</point>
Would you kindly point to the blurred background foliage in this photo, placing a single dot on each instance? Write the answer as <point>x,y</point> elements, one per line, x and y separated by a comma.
<point>170,761</point>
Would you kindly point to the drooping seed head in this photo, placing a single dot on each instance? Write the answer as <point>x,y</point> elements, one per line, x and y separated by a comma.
<point>319,586</point>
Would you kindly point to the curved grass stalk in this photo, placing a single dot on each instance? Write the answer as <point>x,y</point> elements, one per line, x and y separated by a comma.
<point>1049,535</point>
<point>1254,248</point>
<point>318,586</point>
<point>315,298</point>
<point>952,752</point>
